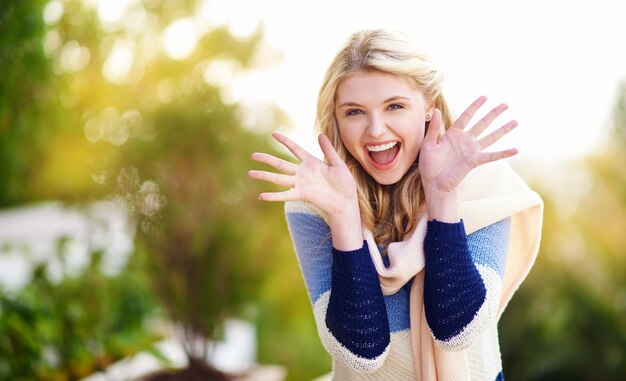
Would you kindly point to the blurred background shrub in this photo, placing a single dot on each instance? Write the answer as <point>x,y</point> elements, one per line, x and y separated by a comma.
<point>66,329</point>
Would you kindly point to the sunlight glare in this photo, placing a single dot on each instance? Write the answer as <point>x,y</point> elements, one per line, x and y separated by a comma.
<point>111,12</point>
<point>117,66</point>
<point>220,72</point>
<point>74,57</point>
<point>179,39</point>
<point>241,17</point>
<point>53,12</point>
<point>138,21</point>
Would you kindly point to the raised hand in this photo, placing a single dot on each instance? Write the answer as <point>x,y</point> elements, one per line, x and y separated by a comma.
<point>329,186</point>
<point>445,159</point>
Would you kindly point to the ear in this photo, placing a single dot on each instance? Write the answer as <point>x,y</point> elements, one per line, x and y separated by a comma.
<point>430,108</point>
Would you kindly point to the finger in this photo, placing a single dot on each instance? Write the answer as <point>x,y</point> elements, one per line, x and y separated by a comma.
<point>295,149</point>
<point>497,134</point>
<point>433,128</point>
<point>281,165</point>
<point>469,112</point>
<point>487,157</point>
<point>329,151</point>
<point>270,177</point>
<point>290,195</point>
<point>487,119</point>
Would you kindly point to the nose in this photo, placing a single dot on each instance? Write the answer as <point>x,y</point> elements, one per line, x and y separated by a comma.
<point>376,126</point>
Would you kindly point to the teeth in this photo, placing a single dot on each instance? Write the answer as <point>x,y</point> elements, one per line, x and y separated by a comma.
<point>381,147</point>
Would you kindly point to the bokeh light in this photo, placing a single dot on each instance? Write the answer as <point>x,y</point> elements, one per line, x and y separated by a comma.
<point>180,38</point>
<point>119,63</point>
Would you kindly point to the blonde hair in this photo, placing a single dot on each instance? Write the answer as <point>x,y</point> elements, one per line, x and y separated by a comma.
<point>389,211</point>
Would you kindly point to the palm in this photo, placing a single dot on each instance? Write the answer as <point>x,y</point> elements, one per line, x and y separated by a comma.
<point>328,186</point>
<point>445,160</point>
<point>319,183</point>
<point>448,162</point>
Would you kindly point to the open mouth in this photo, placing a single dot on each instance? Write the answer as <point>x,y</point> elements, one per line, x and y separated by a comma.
<point>383,155</point>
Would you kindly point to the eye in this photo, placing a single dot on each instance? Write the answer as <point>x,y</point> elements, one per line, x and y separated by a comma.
<point>353,111</point>
<point>395,106</point>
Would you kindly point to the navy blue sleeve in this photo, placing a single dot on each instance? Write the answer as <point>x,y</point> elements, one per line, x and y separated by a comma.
<point>453,288</point>
<point>356,315</point>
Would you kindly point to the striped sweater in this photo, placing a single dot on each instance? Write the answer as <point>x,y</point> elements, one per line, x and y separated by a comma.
<point>367,333</point>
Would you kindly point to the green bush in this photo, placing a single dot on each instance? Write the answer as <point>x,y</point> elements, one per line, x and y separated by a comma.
<point>73,327</point>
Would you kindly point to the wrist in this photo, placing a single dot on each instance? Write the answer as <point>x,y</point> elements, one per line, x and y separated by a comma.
<point>345,227</point>
<point>442,206</point>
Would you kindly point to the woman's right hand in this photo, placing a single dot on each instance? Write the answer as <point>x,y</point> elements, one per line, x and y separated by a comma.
<point>329,186</point>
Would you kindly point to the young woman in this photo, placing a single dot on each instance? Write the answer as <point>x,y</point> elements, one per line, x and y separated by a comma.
<point>410,236</point>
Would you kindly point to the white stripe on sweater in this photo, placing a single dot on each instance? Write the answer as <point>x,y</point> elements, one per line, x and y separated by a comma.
<point>335,348</point>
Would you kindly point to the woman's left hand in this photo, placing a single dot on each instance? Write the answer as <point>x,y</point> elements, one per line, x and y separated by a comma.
<point>445,159</point>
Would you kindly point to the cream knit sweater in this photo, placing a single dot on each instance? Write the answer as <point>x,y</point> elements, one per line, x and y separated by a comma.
<point>429,309</point>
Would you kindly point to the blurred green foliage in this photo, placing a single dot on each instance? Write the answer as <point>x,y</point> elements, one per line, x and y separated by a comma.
<point>164,140</point>
<point>70,328</point>
<point>568,320</point>
<point>27,103</point>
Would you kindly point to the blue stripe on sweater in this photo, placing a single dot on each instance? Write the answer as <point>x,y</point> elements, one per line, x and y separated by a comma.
<point>316,264</point>
<point>492,237</point>
<point>314,251</point>
<point>315,260</point>
<point>398,310</point>
<point>398,305</point>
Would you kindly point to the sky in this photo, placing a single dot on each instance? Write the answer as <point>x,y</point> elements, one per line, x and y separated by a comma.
<point>557,64</point>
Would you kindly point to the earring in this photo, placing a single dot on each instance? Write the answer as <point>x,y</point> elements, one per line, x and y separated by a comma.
<point>428,118</point>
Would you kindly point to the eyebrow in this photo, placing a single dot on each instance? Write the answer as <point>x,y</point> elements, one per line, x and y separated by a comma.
<point>394,98</point>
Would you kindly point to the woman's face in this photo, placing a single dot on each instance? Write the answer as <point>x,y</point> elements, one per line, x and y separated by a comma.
<point>381,120</point>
